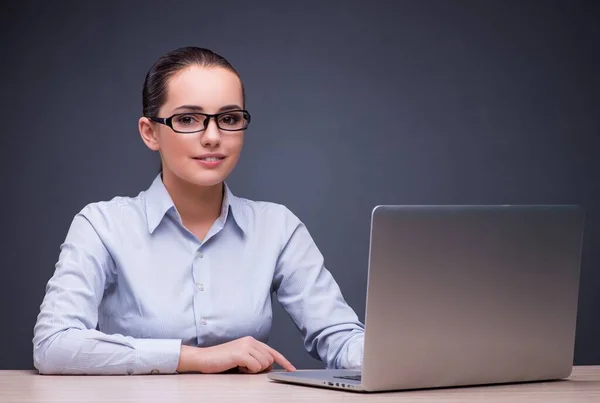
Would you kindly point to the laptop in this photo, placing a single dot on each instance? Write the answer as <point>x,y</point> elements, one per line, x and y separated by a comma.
<point>465,295</point>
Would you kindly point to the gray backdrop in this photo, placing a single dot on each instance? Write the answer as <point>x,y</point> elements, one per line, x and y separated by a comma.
<point>354,103</point>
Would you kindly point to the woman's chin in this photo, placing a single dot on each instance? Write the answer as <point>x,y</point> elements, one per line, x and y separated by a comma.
<point>205,179</point>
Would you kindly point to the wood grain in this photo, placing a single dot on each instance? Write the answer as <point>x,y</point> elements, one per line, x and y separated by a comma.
<point>28,386</point>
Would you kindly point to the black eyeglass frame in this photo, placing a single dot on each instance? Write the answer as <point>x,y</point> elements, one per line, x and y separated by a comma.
<point>169,121</point>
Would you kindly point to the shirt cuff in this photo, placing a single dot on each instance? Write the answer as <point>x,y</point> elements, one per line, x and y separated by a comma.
<point>156,356</point>
<point>353,353</point>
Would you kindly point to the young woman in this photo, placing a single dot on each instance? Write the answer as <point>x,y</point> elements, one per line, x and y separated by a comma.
<point>180,277</point>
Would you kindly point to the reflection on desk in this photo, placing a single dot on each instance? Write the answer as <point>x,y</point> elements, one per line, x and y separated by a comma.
<point>28,386</point>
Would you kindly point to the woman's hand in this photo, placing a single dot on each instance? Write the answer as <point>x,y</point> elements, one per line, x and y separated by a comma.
<point>247,354</point>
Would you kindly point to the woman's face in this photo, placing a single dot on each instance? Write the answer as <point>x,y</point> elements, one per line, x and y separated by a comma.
<point>197,89</point>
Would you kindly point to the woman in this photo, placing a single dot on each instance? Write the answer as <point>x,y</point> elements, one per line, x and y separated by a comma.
<point>180,277</point>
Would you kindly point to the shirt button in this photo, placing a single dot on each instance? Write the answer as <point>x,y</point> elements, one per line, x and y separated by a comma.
<point>204,321</point>
<point>200,254</point>
<point>200,286</point>
<point>155,372</point>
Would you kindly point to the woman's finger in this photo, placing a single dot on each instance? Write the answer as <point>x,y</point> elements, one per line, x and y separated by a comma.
<point>281,360</point>
<point>263,357</point>
<point>250,363</point>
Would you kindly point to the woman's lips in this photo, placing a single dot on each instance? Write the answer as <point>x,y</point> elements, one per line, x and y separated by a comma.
<point>210,162</point>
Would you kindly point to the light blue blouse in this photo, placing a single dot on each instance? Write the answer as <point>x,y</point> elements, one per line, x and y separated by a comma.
<point>132,284</point>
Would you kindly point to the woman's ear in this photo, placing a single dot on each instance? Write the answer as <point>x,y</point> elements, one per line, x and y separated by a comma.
<point>148,133</point>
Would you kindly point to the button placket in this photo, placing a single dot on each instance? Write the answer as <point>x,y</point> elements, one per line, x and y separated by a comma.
<point>201,296</point>
<point>199,283</point>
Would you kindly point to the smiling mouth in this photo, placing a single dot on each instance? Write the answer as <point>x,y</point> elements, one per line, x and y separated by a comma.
<point>209,159</point>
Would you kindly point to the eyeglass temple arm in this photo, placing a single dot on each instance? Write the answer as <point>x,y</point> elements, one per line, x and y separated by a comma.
<point>159,120</point>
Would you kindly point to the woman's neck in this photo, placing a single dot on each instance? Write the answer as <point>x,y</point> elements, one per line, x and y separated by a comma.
<point>197,205</point>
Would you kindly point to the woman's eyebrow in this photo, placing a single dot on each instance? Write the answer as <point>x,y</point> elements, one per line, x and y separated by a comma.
<point>197,108</point>
<point>229,108</point>
<point>189,108</point>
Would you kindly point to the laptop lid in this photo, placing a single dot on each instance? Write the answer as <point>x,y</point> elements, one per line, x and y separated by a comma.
<point>465,295</point>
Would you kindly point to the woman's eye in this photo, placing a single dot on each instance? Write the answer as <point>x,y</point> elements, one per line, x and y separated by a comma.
<point>230,119</point>
<point>186,119</point>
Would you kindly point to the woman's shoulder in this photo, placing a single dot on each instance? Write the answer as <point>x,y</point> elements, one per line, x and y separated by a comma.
<point>117,210</point>
<point>258,206</point>
<point>265,212</point>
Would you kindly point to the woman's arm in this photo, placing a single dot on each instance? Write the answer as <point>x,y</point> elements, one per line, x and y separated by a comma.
<point>310,295</point>
<point>65,337</point>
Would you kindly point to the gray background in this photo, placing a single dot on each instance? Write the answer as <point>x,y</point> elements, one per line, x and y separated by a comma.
<point>354,103</point>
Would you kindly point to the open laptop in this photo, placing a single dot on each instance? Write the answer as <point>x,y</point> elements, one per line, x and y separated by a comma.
<point>465,295</point>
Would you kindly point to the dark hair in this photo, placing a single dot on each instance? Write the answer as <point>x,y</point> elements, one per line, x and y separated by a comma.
<point>154,93</point>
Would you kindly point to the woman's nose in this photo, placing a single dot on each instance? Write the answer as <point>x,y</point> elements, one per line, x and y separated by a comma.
<point>211,136</point>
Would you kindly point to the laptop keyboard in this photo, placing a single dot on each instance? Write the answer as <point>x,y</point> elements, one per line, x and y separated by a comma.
<point>350,377</point>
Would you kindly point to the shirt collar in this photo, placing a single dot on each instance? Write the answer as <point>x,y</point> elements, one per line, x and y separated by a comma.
<point>159,203</point>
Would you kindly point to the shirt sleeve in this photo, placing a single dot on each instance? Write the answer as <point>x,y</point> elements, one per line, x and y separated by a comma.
<point>65,337</point>
<point>312,298</point>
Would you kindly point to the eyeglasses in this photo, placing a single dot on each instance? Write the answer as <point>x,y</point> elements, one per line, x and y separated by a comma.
<point>194,122</point>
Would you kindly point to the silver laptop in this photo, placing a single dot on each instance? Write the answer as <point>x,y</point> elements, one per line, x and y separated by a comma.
<point>465,295</point>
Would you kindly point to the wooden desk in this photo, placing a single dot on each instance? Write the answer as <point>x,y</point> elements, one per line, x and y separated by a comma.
<point>28,386</point>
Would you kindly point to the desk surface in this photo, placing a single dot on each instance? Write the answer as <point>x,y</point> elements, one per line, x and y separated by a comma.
<point>28,386</point>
